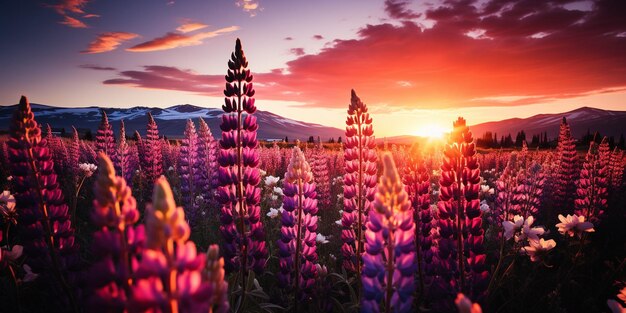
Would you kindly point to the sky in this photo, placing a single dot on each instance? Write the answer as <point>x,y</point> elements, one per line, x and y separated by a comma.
<point>416,64</point>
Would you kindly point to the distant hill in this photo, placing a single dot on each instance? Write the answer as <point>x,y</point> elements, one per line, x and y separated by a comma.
<point>170,121</point>
<point>608,123</point>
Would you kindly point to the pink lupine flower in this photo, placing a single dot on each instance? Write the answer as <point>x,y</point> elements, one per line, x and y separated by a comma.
<point>538,249</point>
<point>592,186</point>
<point>574,225</point>
<point>567,171</point>
<point>152,158</point>
<point>616,169</point>
<point>297,244</point>
<point>189,171</point>
<point>319,167</point>
<point>214,275</point>
<point>105,140</point>
<point>244,246</point>
<point>124,156</point>
<point>389,261</point>
<point>359,181</point>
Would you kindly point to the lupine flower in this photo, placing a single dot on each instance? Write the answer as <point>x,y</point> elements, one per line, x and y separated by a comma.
<point>465,305</point>
<point>152,158</point>
<point>214,275</point>
<point>359,181</point>
<point>319,166</point>
<point>105,140</point>
<point>460,222</point>
<point>169,275</point>
<point>273,213</point>
<point>321,238</point>
<point>574,225</point>
<point>567,172</point>
<point>189,166</point>
<point>87,169</point>
<point>389,261</point>
<point>115,243</point>
<point>592,186</point>
<point>207,156</point>
<point>417,183</point>
<point>244,238</point>
<point>43,221</point>
<point>538,249</point>
<point>527,194</point>
<point>124,155</point>
<point>297,244</point>
<point>616,169</point>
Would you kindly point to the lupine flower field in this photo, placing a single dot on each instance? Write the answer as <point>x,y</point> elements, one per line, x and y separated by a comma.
<point>225,222</point>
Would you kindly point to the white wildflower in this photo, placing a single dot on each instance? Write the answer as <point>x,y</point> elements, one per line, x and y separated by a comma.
<point>271,180</point>
<point>321,239</point>
<point>87,169</point>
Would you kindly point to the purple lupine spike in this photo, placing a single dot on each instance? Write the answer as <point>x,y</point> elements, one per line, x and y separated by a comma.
<point>359,181</point>
<point>244,238</point>
<point>169,275</point>
<point>124,156</point>
<point>152,156</point>
<point>592,186</point>
<point>43,220</point>
<point>207,162</point>
<point>529,190</point>
<point>296,246</point>
<point>319,167</point>
<point>389,260</point>
<point>116,242</point>
<point>616,170</point>
<point>417,184</point>
<point>567,172</point>
<point>189,172</point>
<point>459,215</point>
<point>105,140</point>
<point>214,274</point>
<point>505,188</point>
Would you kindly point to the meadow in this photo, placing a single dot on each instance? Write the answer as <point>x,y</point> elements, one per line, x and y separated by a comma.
<point>137,223</point>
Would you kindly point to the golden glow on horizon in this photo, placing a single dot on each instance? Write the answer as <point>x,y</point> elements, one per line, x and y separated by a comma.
<point>433,131</point>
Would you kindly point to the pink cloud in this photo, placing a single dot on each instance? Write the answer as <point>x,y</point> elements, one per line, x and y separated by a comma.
<point>396,9</point>
<point>108,42</point>
<point>251,7</point>
<point>297,51</point>
<point>445,67</point>
<point>72,22</point>
<point>190,26</point>
<point>318,37</point>
<point>177,40</point>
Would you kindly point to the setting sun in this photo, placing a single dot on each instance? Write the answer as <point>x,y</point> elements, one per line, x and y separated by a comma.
<point>431,131</point>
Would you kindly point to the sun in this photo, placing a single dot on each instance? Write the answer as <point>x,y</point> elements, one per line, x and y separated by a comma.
<point>432,131</point>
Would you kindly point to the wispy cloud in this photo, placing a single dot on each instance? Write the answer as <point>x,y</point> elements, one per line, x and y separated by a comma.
<point>318,37</point>
<point>189,26</point>
<point>252,7</point>
<point>97,67</point>
<point>288,38</point>
<point>397,9</point>
<point>72,7</point>
<point>176,40</point>
<point>108,42</point>
<point>72,22</point>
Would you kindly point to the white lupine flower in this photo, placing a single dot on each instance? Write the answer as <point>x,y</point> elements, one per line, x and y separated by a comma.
<point>273,213</point>
<point>278,191</point>
<point>338,222</point>
<point>484,207</point>
<point>321,239</point>
<point>274,197</point>
<point>271,180</point>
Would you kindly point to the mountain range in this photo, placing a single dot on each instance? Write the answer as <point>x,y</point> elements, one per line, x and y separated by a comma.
<point>273,126</point>
<point>169,121</point>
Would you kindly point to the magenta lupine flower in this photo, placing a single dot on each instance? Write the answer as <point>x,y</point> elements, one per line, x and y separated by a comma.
<point>389,260</point>
<point>244,237</point>
<point>124,156</point>
<point>116,242</point>
<point>417,184</point>
<point>319,167</point>
<point>207,158</point>
<point>359,181</point>
<point>189,172</point>
<point>296,246</point>
<point>168,277</point>
<point>43,220</point>
<point>616,169</point>
<point>592,186</point>
<point>153,157</point>
<point>459,216</point>
<point>567,171</point>
<point>105,140</point>
<point>214,275</point>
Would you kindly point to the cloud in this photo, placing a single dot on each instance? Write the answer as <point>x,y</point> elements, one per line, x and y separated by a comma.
<point>176,40</point>
<point>396,9</point>
<point>72,22</point>
<point>251,7</point>
<point>108,42</point>
<point>190,26</point>
<point>444,66</point>
<point>297,51</point>
<point>97,67</point>
<point>318,37</point>
<point>288,38</point>
<point>65,8</point>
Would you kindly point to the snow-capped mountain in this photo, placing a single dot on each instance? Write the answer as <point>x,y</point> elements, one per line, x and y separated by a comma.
<point>607,123</point>
<point>171,121</point>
